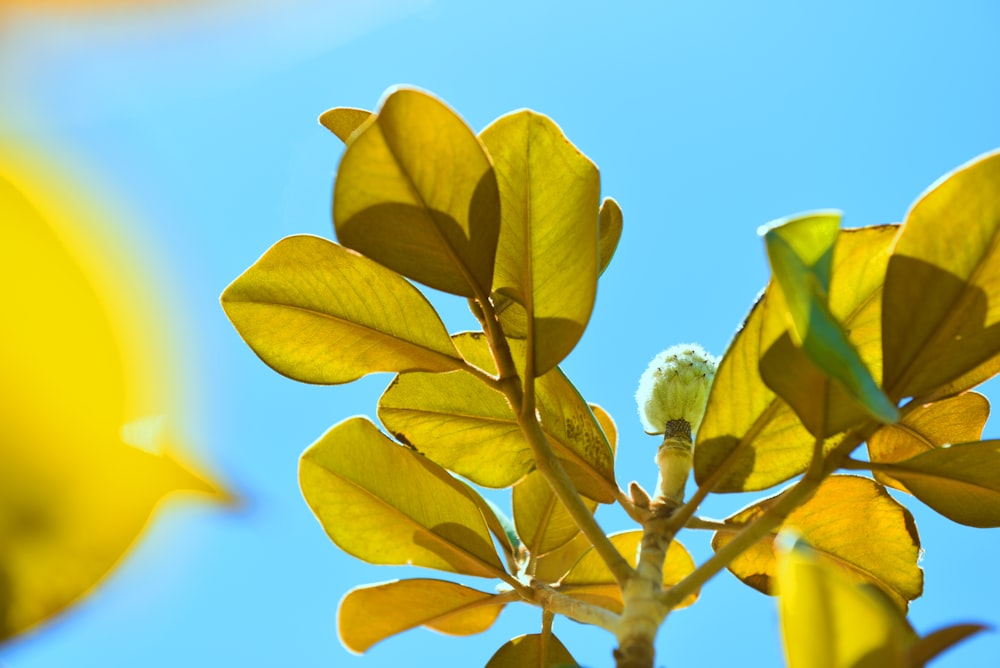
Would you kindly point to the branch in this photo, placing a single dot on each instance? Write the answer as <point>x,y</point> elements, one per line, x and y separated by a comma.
<point>556,602</point>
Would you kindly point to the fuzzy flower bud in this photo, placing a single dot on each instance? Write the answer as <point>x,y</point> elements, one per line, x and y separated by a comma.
<point>675,387</point>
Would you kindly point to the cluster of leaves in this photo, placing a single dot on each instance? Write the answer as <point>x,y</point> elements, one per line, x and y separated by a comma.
<point>511,219</point>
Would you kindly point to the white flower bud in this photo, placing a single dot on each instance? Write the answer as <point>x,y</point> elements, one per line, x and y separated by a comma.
<point>675,387</point>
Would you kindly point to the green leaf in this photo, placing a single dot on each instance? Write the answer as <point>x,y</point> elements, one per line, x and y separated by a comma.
<point>958,419</point>
<point>590,579</point>
<point>343,121</point>
<point>547,256</point>
<point>962,482</point>
<point>829,621</point>
<point>319,313</point>
<point>386,504</point>
<point>416,192</point>
<point>527,652</point>
<point>853,524</point>
<point>750,439</point>
<point>941,317</point>
<point>469,428</point>
<point>801,255</point>
<point>373,613</point>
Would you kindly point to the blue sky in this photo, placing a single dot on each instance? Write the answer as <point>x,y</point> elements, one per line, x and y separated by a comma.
<point>706,119</point>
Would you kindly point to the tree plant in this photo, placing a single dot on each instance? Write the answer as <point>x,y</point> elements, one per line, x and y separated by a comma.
<point>850,376</point>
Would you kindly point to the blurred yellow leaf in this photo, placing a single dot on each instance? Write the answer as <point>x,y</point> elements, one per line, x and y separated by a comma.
<point>747,428</point>
<point>532,651</point>
<point>852,523</point>
<point>590,580</point>
<point>941,314</point>
<point>470,429</point>
<point>928,647</point>
<point>343,121</point>
<point>962,482</point>
<point>77,484</point>
<point>320,313</point>
<point>547,255</point>
<point>959,419</point>
<point>416,192</point>
<point>370,614</point>
<point>830,621</point>
<point>386,504</point>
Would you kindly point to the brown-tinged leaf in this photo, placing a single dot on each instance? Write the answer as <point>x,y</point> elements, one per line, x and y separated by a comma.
<point>372,613</point>
<point>852,523</point>
<point>343,121</point>
<point>532,651</point>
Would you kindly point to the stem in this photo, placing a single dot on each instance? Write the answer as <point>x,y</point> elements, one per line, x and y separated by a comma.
<point>643,614</point>
<point>558,603</point>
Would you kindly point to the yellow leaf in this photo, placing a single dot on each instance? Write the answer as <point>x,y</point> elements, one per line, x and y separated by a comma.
<point>542,521</point>
<point>553,566</point>
<point>941,315</point>
<point>386,504</point>
<point>320,313</point>
<point>829,621</point>
<point>370,614</point>
<point>747,429</point>
<point>930,646</point>
<point>591,581</point>
<point>610,221</point>
<point>547,255</point>
<point>853,524</point>
<point>956,420</point>
<point>532,651</point>
<point>470,429</point>
<point>80,474</point>
<point>343,121</point>
<point>416,192</point>
<point>962,482</point>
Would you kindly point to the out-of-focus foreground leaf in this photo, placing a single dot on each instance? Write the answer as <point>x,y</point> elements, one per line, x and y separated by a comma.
<point>468,428</point>
<point>370,614</point>
<point>590,579</point>
<point>532,651</point>
<point>416,192</point>
<point>830,621</point>
<point>958,419</point>
<point>386,504</point>
<point>801,254</point>
<point>851,522</point>
<point>76,486</point>
<point>941,311</point>
<point>747,428</point>
<point>320,313</point>
<point>547,255</point>
<point>962,482</point>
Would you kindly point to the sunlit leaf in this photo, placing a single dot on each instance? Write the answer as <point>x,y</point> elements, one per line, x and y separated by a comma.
<point>547,256</point>
<point>941,314</point>
<point>542,522</point>
<point>930,646</point>
<point>80,472</point>
<point>851,522</point>
<point>532,651</point>
<point>416,192</point>
<point>553,566</point>
<point>320,313</point>
<point>959,419</point>
<point>747,430</point>
<point>590,579</point>
<point>343,121</point>
<point>801,254</point>
<point>468,428</point>
<point>370,614</point>
<point>830,621</point>
<point>610,233</point>
<point>386,504</point>
<point>962,482</point>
